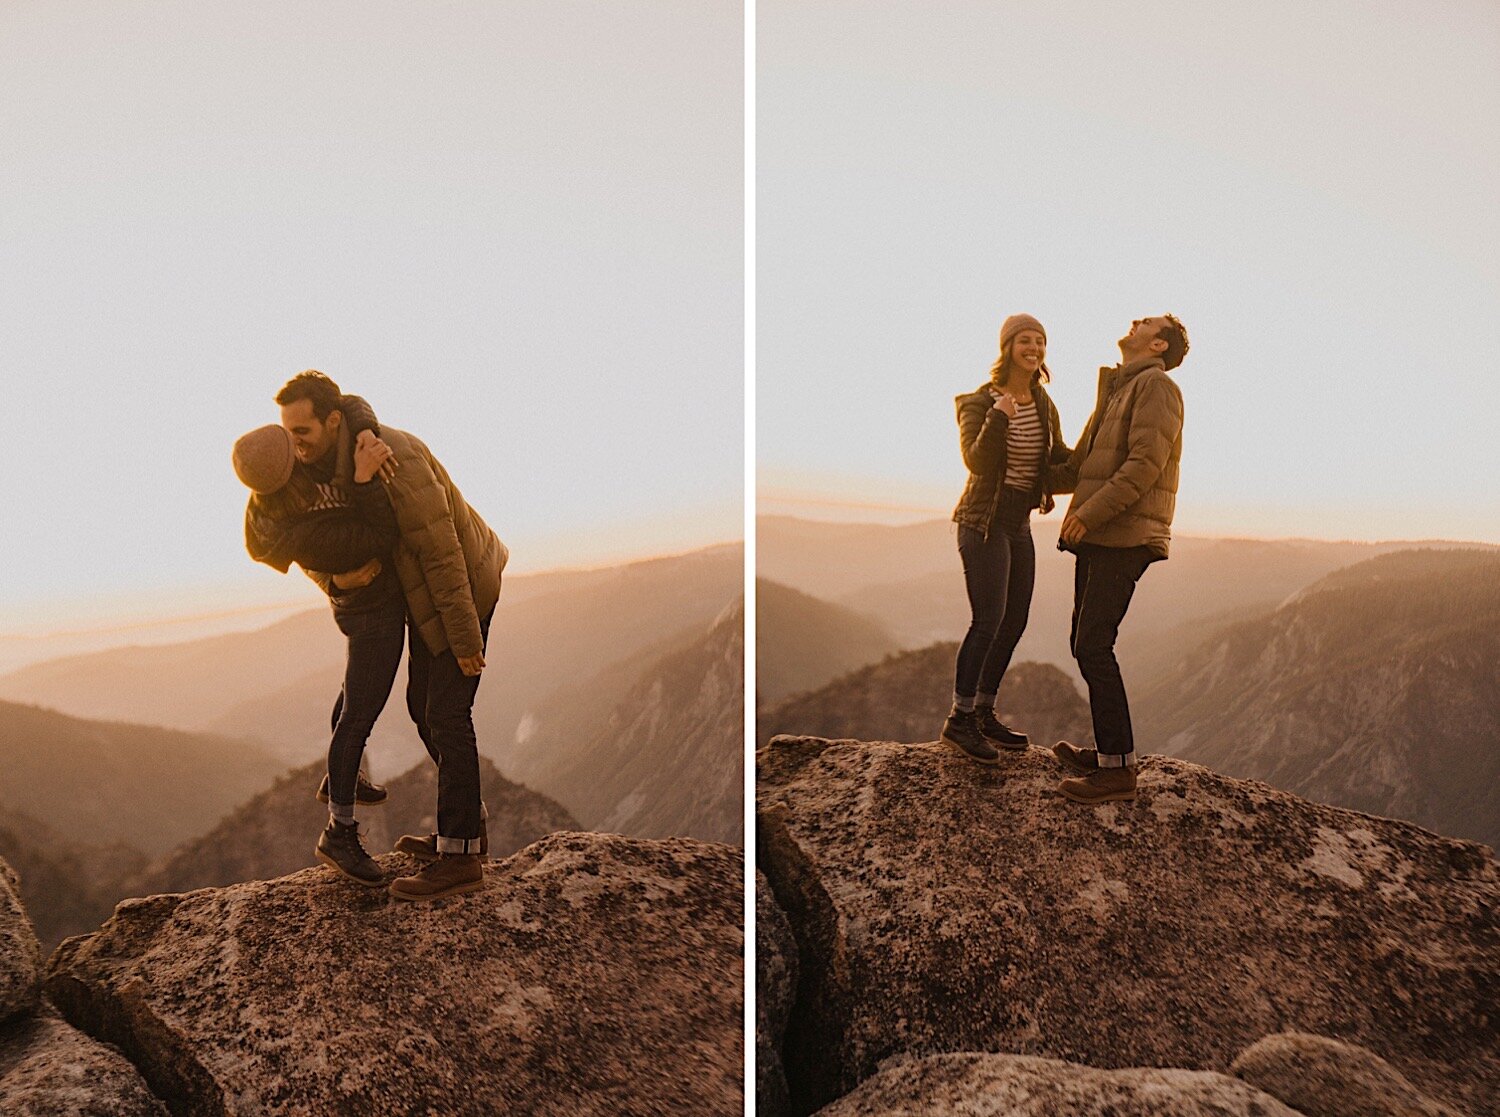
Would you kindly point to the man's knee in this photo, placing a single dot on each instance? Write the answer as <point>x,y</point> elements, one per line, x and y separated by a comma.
<point>450,723</point>
<point>1093,653</point>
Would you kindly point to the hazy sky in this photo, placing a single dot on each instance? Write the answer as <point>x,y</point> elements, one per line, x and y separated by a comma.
<point>517,228</point>
<point>1310,187</point>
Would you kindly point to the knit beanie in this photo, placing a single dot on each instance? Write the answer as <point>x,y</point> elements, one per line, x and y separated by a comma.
<point>1015,324</point>
<point>263,459</point>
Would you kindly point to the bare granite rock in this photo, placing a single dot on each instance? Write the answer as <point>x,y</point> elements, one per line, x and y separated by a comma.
<point>775,988</point>
<point>943,906</point>
<point>20,953</point>
<point>593,974</point>
<point>50,1069</point>
<point>974,1085</point>
<point>1322,1077</point>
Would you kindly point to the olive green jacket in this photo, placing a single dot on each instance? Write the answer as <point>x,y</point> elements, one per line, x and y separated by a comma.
<point>1123,473</point>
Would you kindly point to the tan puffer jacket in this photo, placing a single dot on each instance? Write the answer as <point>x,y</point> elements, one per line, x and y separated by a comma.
<point>448,559</point>
<point>1123,473</point>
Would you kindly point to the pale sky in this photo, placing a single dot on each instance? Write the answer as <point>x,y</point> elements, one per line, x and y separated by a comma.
<point>516,228</point>
<point>1310,187</point>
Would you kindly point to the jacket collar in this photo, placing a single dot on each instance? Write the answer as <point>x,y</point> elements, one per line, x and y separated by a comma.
<point>1117,376</point>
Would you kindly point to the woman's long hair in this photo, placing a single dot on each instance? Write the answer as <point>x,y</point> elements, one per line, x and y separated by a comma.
<point>1000,370</point>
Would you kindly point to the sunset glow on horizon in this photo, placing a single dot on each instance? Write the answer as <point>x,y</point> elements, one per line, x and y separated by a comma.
<point>516,230</point>
<point>1293,181</point>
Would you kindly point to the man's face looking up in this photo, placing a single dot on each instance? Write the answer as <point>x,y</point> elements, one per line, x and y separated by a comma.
<point>311,437</point>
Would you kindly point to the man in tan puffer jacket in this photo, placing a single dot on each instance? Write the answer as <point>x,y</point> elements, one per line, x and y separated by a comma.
<point>1123,476</point>
<point>449,564</point>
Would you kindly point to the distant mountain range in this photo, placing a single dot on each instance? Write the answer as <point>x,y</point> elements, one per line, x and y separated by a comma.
<point>68,886</point>
<point>905,697</point>
<point>909,579</point>
<point>276,686</point>
<point>97,782</point>
<point>1375,688</point>
<point>803,642</point>
<point>668,760</point>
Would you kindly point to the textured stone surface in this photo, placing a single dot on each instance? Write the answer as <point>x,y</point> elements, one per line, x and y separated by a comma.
<point>50,1069</point>
<point>775,988</point>
<point>943,906</point>
<point>592,975</point>
<point>20,953</point>
<point>975,1085</point>
<point>1325,1078</point>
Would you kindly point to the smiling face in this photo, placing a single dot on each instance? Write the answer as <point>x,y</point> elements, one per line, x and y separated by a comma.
<point>1142,339</point>
<point>1027,351</point>
<point>311,437</point>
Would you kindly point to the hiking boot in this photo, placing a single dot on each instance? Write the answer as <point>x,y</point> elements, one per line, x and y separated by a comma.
<point>339,846</point>
<point>425,849</point>
<point>1083,761</point>
<point>366,794</point>
<point>961,731</point>
<point>1106,785</point>
<point>996,732</point>
<point>450,875</point>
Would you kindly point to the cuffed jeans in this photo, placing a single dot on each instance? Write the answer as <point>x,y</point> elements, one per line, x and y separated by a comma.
<point>999,573</point>
<point>440,699</point>
<point>1104,581</point>
<point>375,639</point>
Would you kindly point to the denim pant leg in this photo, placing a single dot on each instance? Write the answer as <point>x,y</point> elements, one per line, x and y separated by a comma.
<point>447,701</point>
<point>418,669</point>
<point>375,640</point>
<point>986,575</point>
<point>1104,581</point>
<point>1018,587</point>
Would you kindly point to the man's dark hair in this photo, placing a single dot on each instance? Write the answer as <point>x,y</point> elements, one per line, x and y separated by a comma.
<point>312,385</point>
<point>1174,333</point>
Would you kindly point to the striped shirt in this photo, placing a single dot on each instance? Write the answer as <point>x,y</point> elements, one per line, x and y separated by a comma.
<point>1023,448</point>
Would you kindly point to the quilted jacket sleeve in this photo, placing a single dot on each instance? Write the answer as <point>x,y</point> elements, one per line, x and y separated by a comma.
<point>982,429</point>
<point>425,515</point>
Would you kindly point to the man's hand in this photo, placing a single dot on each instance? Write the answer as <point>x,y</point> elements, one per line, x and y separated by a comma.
<point>356,579</point>
<point>372,456</point>
<point>471,665</point>
<point>1005,402</point>
<point>1072,531</point>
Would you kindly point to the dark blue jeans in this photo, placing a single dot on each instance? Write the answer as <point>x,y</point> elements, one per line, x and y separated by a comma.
<point>375,639</point>
<point>1104,581</point>
<point>440,699</point>
<point>999,573</point>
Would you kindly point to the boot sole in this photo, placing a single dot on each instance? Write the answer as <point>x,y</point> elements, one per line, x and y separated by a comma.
<point>1018,746</point>
<point>323,798</point>
<point>958,748</point>
<point>456,890</point>
<point>346,874</point>
<point>1110,797</point>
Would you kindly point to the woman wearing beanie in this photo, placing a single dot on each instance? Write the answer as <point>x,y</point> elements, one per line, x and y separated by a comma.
<point>1009,432</point>
<point>347,536</point>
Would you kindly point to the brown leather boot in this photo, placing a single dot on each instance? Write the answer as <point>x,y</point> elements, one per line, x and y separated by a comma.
<point>1107,785</point>
<point>1083,761</point>
<point>425,848</point>
<point>450,875</point>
